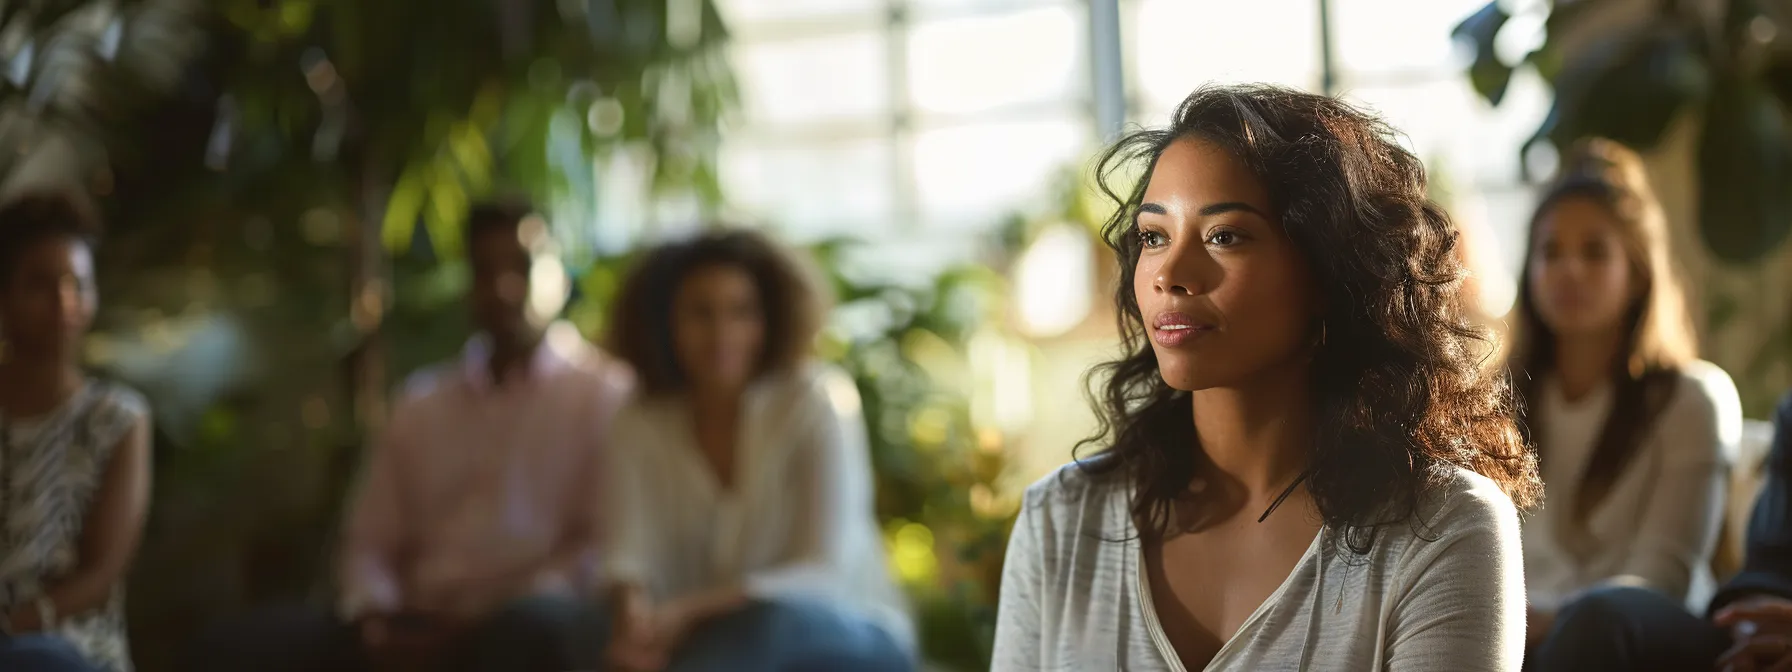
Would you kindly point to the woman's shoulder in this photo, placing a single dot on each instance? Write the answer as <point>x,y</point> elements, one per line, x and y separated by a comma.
<point>116,409</point>
<point>1463,502</point>
<point>1070,482</point>
<point>813,386</point>
<point>120,400</point>
<point>1076,496</point>
<point>1705,391</point>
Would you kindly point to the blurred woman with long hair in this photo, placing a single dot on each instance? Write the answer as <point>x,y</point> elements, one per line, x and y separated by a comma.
<point>1304,462</point>
<point>1635,434</point>
<point>743,534</point>
<point>74,453</point>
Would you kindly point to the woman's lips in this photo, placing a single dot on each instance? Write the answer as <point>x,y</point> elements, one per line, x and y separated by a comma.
<point>1174,329</point>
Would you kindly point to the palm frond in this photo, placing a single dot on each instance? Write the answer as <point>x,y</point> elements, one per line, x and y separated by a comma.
<point>73,71</point>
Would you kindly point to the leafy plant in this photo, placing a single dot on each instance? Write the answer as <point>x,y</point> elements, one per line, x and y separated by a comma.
<point>936,469</point>
<point>435,105</point>
<point>1629,82</point>
<point>74,70</point>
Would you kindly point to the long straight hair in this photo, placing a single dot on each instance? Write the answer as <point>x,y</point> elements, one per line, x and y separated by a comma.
<point>1658,335</point>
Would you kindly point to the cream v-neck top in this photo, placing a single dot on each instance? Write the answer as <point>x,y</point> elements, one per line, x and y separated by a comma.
<point>1447,594</point>
<point>798,521</point>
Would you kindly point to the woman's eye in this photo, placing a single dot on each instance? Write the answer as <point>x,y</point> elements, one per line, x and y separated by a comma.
<point>1151,239</point>
<point>1222,238</point>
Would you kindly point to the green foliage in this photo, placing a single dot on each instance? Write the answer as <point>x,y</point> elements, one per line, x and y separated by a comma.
<point>1489,74</point>
<point>75,69</point>
<point>1630,82</point>
<point>447,103</point>
<point>932,460</point>
<point>1745,169</point>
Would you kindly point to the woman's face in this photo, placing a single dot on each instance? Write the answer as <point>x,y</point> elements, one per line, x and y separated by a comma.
<point>718,327</point>
<point>50,299</point>
<point>1224,293</point>
<point>1581,277</point>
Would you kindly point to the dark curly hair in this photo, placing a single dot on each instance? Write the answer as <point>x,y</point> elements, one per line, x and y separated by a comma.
<point>1400,389</point>
<point>640,329</point>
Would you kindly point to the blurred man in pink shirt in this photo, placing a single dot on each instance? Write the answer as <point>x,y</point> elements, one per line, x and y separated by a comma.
<point>477,521</point>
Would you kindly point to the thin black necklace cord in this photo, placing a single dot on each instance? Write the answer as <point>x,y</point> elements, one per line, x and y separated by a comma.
<point>1285,493</point>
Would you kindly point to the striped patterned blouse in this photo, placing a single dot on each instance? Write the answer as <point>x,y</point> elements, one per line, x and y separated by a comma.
<point>51,466</point>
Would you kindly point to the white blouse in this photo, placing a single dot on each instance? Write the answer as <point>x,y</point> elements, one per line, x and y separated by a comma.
<point>1658,525</point>
<point>798,523</point>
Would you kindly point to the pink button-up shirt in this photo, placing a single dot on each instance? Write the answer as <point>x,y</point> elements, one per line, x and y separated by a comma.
<point>483,492</point>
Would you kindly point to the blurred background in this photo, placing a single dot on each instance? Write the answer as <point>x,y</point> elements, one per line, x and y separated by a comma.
<point>286,182</point>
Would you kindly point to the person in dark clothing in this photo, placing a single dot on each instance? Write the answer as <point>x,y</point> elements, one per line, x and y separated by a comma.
<point>1747,628</point>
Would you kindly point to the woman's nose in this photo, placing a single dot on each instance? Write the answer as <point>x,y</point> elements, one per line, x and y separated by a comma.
<point>1182,271</point>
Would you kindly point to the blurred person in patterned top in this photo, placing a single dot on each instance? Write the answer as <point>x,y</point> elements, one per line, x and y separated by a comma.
<point>74,453</point>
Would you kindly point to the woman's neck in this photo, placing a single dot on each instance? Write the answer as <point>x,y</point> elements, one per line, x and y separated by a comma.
<point>716,415</point>
<point>713,404</point>
<point>1260,436</point>
<point>32,385</point>
<point>1583,362</point>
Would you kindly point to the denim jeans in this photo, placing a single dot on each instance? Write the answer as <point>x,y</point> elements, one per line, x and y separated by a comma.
<point>556,634</point>
<point>765,636</point>
<point>526,635</point>
<point>41,653</point>
<point>1627,629</point>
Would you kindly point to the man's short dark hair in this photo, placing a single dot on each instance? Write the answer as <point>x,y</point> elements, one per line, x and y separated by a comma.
<point>34,218</point>
<point>497,215</point>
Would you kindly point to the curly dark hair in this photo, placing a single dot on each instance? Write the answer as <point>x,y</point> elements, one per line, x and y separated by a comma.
<point>1401,392</point>
<point>640,328</point>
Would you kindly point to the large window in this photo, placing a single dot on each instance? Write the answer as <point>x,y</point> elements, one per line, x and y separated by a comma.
<point>1174,46</point>
<point>922,123</point>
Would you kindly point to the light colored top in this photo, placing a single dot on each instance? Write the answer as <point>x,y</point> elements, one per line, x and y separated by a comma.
<point>1658,525</point>
<point>1074,594</point>
<point>51,468</point>
<point>479,493</point>
<point>799,521</point>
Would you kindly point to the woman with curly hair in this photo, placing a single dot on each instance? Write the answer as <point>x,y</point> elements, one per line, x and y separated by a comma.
<point>743,534</point>
<point>1304,461</point>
